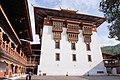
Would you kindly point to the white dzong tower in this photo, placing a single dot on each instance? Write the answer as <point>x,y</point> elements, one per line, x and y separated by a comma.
<point>69,43</point>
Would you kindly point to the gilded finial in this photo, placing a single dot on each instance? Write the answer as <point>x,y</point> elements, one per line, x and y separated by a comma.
<point>67,10</point>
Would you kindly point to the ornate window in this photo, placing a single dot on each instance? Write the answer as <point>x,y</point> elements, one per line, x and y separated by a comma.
<point>72,32</point>
<point>87,38</point>
<point>57,35</point>
<point>72,26</point>
<point>87,30</point>
<point>57,30</point>
<point>57,24</point>
<point>74,57</point>
<point>57,56</point>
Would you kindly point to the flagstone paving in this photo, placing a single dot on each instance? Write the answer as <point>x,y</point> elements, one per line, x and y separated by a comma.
<point>35,77</point>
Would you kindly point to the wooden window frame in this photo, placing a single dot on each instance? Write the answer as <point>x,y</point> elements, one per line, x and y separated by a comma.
<point>74,57</point>
<point>88,47</point>
<point>57,44</point>
<point>57,56</point>
<point>73,46</point>
<point>72,26</point>
<point>89,58</point>
<point>57,24</point>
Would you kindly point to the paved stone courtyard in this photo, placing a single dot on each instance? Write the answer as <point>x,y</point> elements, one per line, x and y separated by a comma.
<point>35,77</point>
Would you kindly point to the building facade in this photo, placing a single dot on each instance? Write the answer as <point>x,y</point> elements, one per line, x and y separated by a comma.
<point>69,43</point>
<point>14,26</point>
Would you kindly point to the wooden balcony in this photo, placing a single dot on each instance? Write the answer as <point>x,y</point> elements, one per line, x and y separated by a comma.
<point>57,38</point>
<point>73,39</point>
<point>76,31</point>
<point>86,32</point>
<point>6,50</point>
<point>32,64</point>
<point>55,29</point>
<point>57,35</point>
<point>87,39</point>
<point>111,63</point>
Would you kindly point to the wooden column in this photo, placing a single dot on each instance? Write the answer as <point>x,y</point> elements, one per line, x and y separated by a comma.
<point>17,69</point>
<point>7,70</point>
<point>15,49</point>
<point>0,34</point>
<point>24,70</point>
<point>1,39</point>
<point>5,45</point>
<point>21,70</point>
<point>13,69</point>
<point>10,44</point>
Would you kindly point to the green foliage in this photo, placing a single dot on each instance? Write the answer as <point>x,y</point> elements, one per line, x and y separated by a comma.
<point>111,10</point>
<point>111,49</point>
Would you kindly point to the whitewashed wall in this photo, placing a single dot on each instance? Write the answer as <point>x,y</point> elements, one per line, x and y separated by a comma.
<point>50,66</point>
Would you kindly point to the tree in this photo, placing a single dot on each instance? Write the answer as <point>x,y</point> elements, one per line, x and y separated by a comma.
<point>111,10</point>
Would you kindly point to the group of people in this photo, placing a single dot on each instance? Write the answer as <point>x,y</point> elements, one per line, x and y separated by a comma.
<point>29,75</point>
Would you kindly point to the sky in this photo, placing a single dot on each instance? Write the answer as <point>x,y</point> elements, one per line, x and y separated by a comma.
<point>90,7</point>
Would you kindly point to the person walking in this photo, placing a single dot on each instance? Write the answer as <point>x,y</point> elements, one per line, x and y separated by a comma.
<point>30,74</point>
<point>27,77</point>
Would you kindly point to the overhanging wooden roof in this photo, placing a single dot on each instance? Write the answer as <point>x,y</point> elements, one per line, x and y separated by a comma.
<point>36,46</point>
<point>41,13</point>
<point>18,15</point>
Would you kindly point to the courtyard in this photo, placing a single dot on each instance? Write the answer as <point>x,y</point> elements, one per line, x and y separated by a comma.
<point>35,77</point>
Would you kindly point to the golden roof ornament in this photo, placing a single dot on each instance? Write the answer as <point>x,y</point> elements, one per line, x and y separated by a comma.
<point>67,10</point>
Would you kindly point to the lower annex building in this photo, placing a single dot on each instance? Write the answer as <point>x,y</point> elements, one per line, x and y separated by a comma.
<point>69,43</point>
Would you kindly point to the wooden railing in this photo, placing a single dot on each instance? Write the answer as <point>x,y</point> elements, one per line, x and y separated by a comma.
<point>12,52</point>
<point>72,37</point>
<point>33,63</point>
<point>73,31</point>
<point>57,29</point>
<point>87,31</point>
<point>112,63</point>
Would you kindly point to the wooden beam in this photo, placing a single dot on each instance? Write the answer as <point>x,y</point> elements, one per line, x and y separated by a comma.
<point>9,23</point>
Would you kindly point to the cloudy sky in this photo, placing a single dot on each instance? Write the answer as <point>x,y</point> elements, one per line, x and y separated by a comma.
<point>90,7</point>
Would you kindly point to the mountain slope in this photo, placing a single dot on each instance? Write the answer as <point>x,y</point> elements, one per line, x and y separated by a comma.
<point>111,49</point>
